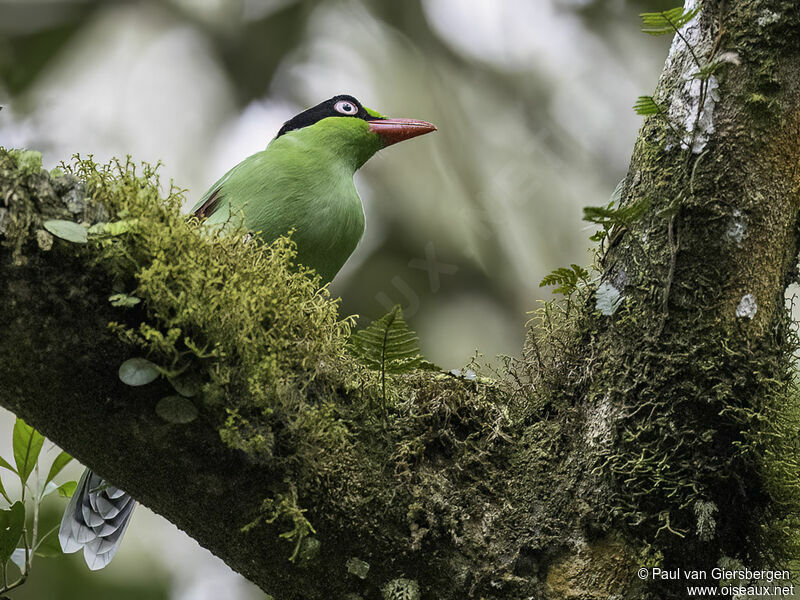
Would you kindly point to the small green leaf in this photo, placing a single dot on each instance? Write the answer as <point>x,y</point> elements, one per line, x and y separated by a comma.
<point>646,105</point>
<point>27,445</point>
<point>598,236</point>
<point>176,409</point>
<point>113,228</point>
<point>67,230</point>
<point>187,385</point>
<point>389,346</point>
<point>59,463</point>
<point>5,465</point>
<point>12,522</point>
<point>65,490</point>
<point>138,371</point>
<point>123,300</point>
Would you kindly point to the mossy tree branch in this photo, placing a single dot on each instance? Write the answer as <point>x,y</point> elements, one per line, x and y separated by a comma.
<point>651,422</point>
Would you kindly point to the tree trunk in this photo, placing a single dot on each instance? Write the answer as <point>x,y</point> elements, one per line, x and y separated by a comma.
<point>650,423</point>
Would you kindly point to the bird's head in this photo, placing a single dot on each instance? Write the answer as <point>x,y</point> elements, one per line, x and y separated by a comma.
<point>350,129</point>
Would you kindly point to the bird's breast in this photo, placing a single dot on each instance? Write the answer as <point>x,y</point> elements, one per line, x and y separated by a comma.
<point>331,228</point>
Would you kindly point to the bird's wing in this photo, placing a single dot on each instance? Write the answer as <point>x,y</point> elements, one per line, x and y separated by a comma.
<point>210,201</point>
<point>206,207</point>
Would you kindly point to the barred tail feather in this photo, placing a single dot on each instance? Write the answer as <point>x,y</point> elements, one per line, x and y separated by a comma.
<point>95,520</point>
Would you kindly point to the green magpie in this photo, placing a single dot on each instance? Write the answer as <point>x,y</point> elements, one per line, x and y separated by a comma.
<point>303,183</point>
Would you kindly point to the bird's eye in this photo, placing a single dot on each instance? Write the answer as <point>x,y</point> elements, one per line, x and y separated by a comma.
<point>345,107</point>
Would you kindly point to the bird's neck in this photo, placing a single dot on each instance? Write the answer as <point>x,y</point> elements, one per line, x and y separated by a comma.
<point>327,149</point>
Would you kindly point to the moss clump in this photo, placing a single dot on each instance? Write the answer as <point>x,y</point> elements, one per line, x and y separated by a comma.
<point>227,311</point>
<point>230,322</point>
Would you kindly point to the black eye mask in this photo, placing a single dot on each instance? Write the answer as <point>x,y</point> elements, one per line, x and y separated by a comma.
<point>324,110</point>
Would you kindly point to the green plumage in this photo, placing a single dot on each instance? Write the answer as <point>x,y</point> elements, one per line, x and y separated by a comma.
<point>303,182</point>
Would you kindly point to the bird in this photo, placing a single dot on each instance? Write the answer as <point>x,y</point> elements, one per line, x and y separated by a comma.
<point>302,185</point>
<point>303,181</point>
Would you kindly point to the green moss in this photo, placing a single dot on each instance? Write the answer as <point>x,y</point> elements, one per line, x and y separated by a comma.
<point>284,508</point>
<point>28,161</point>
<point>236,318</point>
<point>266,345</point>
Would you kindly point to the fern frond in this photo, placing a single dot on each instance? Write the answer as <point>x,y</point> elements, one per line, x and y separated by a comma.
<point>566,278</point>
<point>608,215</point>
<point>646,105</point>
<point>389,346</point>
<point>668,21</point>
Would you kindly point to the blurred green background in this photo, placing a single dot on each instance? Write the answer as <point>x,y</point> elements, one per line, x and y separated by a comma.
<point>532,99</point>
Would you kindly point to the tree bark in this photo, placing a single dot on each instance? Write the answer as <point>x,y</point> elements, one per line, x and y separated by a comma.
<point>649,423</point>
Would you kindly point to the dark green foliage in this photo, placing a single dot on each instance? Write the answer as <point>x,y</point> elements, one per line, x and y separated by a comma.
<point>16,534</point>
<point>12,524</point>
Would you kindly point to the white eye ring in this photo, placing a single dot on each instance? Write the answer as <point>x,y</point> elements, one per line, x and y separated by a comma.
<point>345,107</point>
